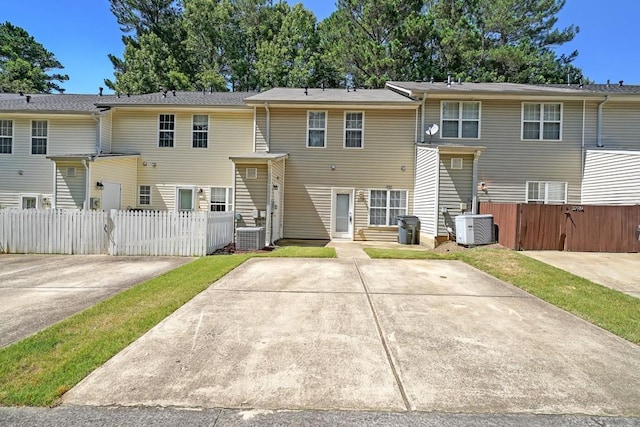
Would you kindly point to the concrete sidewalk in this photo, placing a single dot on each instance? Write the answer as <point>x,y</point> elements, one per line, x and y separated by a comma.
<point>382,335</point>
<point>355,249</point>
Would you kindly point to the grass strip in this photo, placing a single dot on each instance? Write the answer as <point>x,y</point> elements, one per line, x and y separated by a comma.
<point>611,310</point>
<point>39,369</point>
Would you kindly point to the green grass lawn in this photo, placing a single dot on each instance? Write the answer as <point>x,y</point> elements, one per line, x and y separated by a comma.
<point>39,369</point>
<point>611,310</point>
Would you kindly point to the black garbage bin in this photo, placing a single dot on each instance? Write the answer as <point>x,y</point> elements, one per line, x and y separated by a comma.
<point>408,229</point>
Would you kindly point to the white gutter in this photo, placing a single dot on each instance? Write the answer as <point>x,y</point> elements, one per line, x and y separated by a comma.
<point>87,184</point>
<point>600,105</point>
<point>474,182</point>
<point>268,137</point>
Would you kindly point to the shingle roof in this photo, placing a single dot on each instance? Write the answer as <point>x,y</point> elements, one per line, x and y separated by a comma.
<point>360,96</point>
<point>607,88</point>
<point>417,88</point>
<point>177,98</point>
<point>50,103</point>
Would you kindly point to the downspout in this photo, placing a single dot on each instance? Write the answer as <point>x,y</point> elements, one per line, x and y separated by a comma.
<point>268,138</point>
<point>474,182</point>
<point>600,105</point>
<point>87,184</point>
<point>269,223</point>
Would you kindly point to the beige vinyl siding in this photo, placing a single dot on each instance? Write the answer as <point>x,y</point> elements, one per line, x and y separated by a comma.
<point>250,194</point>
<point>388,145</point>
<point>509,162</point>
<point>230,133</point>
<point>106,126</point>
<point>66,134</point>
<point>70,189</point>
<point>611,178</point>
<point>117,170</point>
<point>621,126</point>
<point>426,190</point>
<point>261,130</point>
<point>455,187</point>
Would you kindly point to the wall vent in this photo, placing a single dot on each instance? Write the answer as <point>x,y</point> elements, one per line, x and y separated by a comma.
<point>71,171</point>
<point>252,173</point>
<point>457,163</point>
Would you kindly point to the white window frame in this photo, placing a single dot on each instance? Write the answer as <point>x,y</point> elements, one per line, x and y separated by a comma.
<point>171,131</point>
<point>195,131</point>
<point>545,196</point>
<point>34,137</point>
<point>390,222</point>
<point>309,128</point>
<point>542,121</point>
<point>11,127</point>
<point>228,197</point>
<point>140,195</point>
<point>460,119</point>
<point>346,129</point>
<point>193,198</point>
<point>37,197</point>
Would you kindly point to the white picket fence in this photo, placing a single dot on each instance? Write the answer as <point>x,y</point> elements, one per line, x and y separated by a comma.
<point>117,232</point>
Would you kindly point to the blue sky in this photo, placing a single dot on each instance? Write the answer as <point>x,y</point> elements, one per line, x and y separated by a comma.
<point>82,32</point>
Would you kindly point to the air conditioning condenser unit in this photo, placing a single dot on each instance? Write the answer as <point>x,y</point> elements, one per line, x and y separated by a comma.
<point>250,238</point>
<point>474,230</point>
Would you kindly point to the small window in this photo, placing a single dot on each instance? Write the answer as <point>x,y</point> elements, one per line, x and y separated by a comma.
<point>386,205</point>
<point>457,163</point>
<point>71,171</point>
<point>353,129</point>
<point>144,195</point>
<point>460,119</point>
<point>221,199</point>
<point>251,173</point>
<point>317,129</point>
<point>542,121</point>
<point>6,136</point>
<point>166,128</point>
<point>29,202</point>
<point>185,199</point>
<point>200,131</point>
<point>547,192</point>
<point>39,135</point>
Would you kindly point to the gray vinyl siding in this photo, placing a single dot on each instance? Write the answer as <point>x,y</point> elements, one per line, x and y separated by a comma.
<point>611,178</point>
<point>509,162</point>
<point>426,190</point>
<point>106,126</point>
<point>70,189</point>
<point>388,145</point>
<point>621,126</point>
<point>121,171</point>
<point>455,187</point>
<point>250,194</point>
<point>66,134</point>
<point>230,133</point>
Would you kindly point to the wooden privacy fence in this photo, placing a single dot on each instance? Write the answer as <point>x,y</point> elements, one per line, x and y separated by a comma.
<point>577,228</point>
<point>117,232</point>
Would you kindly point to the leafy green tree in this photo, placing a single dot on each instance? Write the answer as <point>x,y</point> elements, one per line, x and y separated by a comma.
<point>25,65</point>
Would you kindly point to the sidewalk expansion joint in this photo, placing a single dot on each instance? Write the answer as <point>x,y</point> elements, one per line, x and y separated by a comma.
<point>383,339</point>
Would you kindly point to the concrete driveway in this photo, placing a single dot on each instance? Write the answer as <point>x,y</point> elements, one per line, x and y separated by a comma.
<point>616,271</point>
<point>39,290</point>
<point>386,335</point>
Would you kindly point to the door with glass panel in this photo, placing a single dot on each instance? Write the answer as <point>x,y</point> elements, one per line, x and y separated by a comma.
<point>342,215</point>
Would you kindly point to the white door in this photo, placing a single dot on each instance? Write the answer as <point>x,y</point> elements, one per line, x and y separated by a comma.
<point>275,218</point>
<point>342,214</point>
<point>110,196</point>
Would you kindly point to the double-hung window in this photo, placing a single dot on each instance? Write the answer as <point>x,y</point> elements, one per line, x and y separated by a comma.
<point>547,192</point>
<point>221,199</point>
<point>316,129</point>
<point>6,136</point>
<point>166,129</point>
<point>200,131</point>
<point>542,121</point>
<point>39,135</point>
<point>386,205</point>
<point>353,129</point>
<point>460,119</point>
<point>144,195</point>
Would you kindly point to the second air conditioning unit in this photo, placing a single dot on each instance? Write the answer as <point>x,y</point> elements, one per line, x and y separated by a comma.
<point>474,230</point>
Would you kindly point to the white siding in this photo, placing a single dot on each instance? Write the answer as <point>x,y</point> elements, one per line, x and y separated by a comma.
<point>117,170</point>
<point>611,178</point>
<point>106,124</point>
<point>426,190</point>
<point>621,126</point>
<point>70,189</point>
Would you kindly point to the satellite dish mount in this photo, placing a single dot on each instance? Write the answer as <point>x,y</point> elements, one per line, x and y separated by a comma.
<point>432,130</point>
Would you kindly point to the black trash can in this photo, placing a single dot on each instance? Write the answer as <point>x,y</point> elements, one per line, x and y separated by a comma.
<point>408,229</point>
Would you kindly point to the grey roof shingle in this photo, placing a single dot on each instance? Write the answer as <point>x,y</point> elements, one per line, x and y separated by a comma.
<point>177,98</point>
<point>417,88</point>
<point>360,96</point>
<point>49,103</point>
<point>607,88</point>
